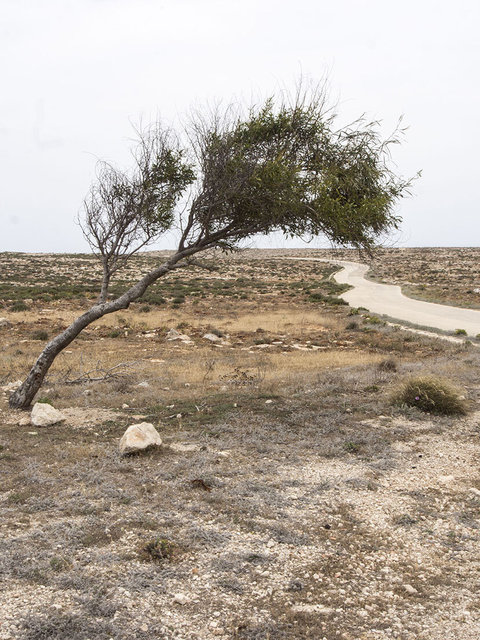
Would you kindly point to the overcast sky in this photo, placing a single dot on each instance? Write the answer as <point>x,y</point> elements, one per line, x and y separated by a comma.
<point>76,73</point>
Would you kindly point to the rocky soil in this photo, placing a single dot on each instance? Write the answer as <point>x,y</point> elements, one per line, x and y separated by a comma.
<point>289,498</point>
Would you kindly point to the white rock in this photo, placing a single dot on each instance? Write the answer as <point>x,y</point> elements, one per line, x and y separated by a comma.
<point>44,415</point>
<point>212,337</point>
<point>143,384</point>
<point>12,386</point>
<point>178,447</point>
<point>4,323</point>
<point>139,437</point>
<point>181,598</point>
<point>476,492</point>
<point>312,608</point>
<point>409,589</point>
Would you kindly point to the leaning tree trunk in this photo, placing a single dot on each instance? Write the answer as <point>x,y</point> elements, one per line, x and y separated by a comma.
<point>23,396</point>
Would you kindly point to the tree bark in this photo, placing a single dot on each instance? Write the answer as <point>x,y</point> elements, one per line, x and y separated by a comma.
<point>23,396</point>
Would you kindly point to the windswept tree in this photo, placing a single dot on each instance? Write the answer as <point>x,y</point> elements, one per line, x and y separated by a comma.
<point>282,166</point>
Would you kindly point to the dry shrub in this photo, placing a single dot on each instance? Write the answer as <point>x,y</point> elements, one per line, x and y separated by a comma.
<point>430,394</point>
<point>388,365</point>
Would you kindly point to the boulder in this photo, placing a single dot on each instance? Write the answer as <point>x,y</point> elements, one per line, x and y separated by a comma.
<point>44,415</point>
<point>139,437</point>
<point>5,324</point>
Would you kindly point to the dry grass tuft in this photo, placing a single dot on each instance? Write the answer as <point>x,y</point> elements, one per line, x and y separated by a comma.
<point>432,395</point>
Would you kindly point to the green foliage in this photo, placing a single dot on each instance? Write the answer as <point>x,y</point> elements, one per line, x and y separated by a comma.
<point>460,332</point>
<point>289,168</point>
<point>430,394</point>
<point>19,305</point>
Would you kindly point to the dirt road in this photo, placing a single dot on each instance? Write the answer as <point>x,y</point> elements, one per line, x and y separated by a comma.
<point>387,299</point>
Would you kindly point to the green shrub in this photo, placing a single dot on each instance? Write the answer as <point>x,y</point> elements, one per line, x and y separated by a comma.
<point>460,332</point>
<point>19,305</point>
<point>40,335</point>
<point>430,394</point>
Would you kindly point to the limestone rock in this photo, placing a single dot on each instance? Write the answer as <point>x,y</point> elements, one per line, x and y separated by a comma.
<point>174,335</point>
<point>181,598</point>
<point>212,337</point>
<point>44,415</point>
<point>139,437</point>
<point>4,323</point>
<point>12,386</point>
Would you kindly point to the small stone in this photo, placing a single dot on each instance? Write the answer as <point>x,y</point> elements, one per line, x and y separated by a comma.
<point>139,437</point>
<point>44,415</point>
<point>143,384</point>
<point>181,598</point>
<point>476,492</point>
<point>409,589</point>
<point>313,608</point>
<point>212,337</point>
<point>183,448</point>
<point>125,406</point>
<point>12,386</point>
<point>268,401</point>
<point>5,324</point>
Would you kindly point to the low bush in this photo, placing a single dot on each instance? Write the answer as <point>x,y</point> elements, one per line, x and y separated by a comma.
<point>157,550</point>
<point>389,364</point>
<point>19,305</point>
<point>40,335</point>
<point>430,394</point>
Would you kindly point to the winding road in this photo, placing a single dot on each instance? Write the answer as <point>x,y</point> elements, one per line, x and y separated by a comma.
<point>388,300</point>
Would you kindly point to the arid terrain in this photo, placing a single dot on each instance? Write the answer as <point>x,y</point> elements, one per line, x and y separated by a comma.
<point>290,498</point>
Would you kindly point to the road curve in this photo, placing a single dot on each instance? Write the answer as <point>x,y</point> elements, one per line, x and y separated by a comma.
<point>388,300</point>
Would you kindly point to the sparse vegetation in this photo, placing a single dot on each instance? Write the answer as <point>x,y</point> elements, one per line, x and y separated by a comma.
<point>283,482</point>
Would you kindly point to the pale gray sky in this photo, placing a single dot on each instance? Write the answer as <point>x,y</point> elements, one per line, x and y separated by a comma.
<point>75,73</point>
